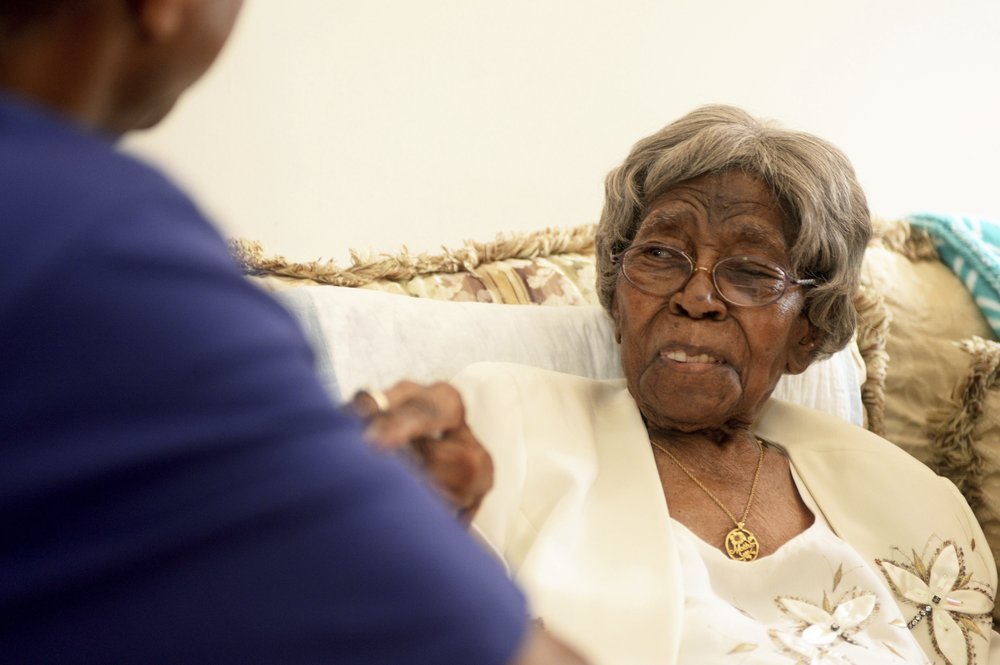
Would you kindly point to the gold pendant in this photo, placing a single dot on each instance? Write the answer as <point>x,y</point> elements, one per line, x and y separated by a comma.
<point>741,544</point>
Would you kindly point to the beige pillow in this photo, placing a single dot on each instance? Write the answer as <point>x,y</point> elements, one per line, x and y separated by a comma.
<point>941,398</point>
<point>966,443</point>
<point>930,310</point>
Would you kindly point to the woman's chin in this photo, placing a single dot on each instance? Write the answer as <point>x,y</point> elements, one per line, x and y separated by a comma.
<point>688,413</point>
<point>688,423</point>
<point>690,399</point>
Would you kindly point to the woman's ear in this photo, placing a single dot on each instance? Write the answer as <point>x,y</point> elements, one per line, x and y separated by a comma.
<point>615,316</point>
<point>803,347</point>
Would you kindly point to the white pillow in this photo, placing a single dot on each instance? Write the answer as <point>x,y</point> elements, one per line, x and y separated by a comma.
<point>370,338</point>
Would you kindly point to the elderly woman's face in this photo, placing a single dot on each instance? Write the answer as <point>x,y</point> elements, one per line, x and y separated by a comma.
<point>692,360</point>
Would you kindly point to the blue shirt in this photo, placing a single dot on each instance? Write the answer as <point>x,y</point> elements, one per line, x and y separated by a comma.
<point>175,486</point>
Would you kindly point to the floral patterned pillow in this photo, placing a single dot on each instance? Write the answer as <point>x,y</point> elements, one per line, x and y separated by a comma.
<point>551,267</point>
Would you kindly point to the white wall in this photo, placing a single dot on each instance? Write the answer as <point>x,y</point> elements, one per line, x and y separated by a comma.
<point>331,124</point>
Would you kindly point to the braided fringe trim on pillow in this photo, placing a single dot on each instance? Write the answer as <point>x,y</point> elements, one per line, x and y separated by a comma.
<point>898,236</point>
<point>875,317</point>
<point>952,445</point>
<point>365,268</point>
<point>874,321</point>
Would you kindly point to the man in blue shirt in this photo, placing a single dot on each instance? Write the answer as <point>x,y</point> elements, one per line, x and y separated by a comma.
<point>175,486</point>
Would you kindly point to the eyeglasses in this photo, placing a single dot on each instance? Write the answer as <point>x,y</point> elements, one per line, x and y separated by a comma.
<point>745,281</point>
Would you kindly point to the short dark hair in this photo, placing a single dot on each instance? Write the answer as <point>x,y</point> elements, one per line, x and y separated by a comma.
<point>16,15</point>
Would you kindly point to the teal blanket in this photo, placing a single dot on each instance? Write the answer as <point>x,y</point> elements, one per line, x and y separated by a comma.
<point>971,248</point>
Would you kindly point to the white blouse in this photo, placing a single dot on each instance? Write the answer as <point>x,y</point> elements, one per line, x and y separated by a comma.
<point>813,601</point>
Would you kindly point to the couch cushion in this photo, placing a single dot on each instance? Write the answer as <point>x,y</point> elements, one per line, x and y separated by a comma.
<point>365,337</point>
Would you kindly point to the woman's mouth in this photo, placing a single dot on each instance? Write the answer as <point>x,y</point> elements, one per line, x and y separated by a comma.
<point>688,358</point>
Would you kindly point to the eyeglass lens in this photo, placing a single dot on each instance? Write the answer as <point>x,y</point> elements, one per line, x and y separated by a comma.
<point>660,270</point>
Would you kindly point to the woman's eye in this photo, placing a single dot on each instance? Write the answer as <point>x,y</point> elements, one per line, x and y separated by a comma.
<point>661,252</point>
<point>755,271</point>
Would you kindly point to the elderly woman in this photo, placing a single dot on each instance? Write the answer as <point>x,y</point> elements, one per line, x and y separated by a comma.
<point>682,516</point>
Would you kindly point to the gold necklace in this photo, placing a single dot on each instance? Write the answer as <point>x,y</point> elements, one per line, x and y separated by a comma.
<point>741,544</point>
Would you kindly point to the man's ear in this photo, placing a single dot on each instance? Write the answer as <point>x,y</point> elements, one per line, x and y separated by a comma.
<point>803,346</point>
<point>158,20</point>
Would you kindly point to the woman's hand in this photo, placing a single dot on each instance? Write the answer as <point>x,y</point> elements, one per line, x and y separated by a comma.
<point>428,422</point>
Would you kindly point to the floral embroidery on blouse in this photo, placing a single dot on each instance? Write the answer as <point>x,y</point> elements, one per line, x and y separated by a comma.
<point>948,601</point>
<point>818,627</point>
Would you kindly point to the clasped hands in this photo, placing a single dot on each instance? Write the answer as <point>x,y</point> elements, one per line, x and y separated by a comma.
<point>427,422</point>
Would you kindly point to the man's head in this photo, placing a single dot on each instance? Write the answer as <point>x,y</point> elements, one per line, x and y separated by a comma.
<point>112,64</point>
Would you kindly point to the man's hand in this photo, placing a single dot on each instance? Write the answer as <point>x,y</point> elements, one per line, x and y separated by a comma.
<point>429,423</point>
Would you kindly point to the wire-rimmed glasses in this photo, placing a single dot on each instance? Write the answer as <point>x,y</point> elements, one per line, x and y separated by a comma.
<point>745,281</point>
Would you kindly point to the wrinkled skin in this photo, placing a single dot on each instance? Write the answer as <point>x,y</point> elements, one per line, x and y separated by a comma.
<point>428,423</point>
<point>743,351</point>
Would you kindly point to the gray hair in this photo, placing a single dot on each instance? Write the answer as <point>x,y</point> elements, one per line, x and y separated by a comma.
<point>813,182</point>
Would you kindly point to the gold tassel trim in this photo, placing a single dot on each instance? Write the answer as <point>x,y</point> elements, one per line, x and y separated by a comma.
<point>366,268</point>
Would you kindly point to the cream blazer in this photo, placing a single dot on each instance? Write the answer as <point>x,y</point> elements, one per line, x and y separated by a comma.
<point>578,515</point>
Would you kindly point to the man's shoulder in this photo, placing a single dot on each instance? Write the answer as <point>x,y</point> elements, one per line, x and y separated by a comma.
<point>60,176</point>
<point>66,191</point>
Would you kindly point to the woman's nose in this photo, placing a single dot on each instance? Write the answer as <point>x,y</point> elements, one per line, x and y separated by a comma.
<point>698,298</point>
